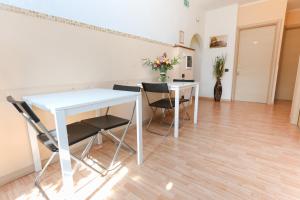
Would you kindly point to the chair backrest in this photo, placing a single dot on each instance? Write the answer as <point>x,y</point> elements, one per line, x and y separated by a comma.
<point>126,88</point>
<point>23,108</point>
<point>183,80</point>
<point>156,87</point>
<point>161,88</point>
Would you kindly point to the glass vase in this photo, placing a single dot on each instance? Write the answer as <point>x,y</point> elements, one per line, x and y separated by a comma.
<point>163,75</point>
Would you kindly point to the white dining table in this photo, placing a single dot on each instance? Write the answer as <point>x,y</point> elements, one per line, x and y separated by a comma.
<point>177,87</point>
<point>69,103</point>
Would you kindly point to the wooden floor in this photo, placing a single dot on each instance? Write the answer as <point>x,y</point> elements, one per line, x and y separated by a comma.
<point>238,151</point>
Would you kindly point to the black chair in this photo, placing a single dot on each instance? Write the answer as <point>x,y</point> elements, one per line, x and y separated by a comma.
<point>76,133</point>
<point>166,104</point>
<point>186,100</point>
<point>108,122</point>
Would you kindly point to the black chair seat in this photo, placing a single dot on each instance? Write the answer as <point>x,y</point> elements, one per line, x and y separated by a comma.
<point>106,122</point>
<point>181,100</point>
<point>165,103</point>
<point>76,132</point>
<point>184,100</point>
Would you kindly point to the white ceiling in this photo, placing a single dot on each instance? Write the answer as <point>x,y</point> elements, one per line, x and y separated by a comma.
<point>211,4</point>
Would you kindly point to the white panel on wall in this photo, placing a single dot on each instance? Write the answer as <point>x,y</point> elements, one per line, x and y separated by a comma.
<point>222,21</point>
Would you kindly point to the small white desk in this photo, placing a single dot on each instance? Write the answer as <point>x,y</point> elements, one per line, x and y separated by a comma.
<point>177,86</point>
<point>69,103</point>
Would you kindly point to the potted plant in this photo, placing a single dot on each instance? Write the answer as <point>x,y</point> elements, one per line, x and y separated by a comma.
<point>219,69</point>
<point>162,64</point>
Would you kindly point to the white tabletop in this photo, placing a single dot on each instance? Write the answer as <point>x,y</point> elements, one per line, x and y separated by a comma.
<point>175,85</point>
<point>182,84</point>
<point>76,98</point>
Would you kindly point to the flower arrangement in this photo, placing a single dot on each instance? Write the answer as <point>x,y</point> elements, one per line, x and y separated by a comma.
<point>162,64</point>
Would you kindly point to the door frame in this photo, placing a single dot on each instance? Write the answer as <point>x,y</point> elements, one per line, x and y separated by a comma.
<point>275,61</point>
<point>295,110</point>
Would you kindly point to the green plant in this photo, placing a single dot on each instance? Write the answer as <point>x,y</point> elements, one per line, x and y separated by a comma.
<point>219,66</point>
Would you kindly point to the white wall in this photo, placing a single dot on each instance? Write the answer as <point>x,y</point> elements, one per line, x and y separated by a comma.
<point>155,19</point>
<point>261,12</point>
<point>42,55</point>
<point>222,21</point>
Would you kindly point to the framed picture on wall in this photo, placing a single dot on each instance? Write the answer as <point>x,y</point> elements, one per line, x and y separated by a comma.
<point>189,62</point>
<point>218,41</point>
<point>181,37</point>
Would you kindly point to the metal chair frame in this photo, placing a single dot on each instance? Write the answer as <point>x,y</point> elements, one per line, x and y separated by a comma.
<point>39,127</point>
<point>164,90</point>
<point>119,141</point>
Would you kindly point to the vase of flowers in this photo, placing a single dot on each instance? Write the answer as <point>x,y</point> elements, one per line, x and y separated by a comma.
<point>162,64</point>
<point>219,69</point>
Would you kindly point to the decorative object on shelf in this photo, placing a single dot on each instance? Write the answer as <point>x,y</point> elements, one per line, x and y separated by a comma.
<point>162,64</point>
<point>218,41</point>
<point>219,69</point>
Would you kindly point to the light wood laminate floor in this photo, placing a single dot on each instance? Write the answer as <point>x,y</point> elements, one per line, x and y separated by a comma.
<point>238,151</point>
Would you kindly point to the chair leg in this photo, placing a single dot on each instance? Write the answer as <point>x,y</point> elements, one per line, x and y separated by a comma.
<point>117,140</point>
<point>153,114</point>
<point>171,123</point>
<point>80,160</point>
<point>163,112</point>
<point>88,147</point>
<point>150,121</point>
<point>186,112</point>
<point>119,147</point>
<point>157,133</point>
<point>120,143</point>
<point>87,165</point>
<point>40,174</point>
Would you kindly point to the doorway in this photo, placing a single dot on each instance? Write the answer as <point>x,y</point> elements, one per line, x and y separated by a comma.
<point>288,65</point>
<point>254,63</point>
<point>196,44</point>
